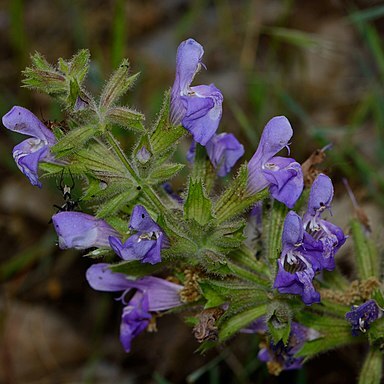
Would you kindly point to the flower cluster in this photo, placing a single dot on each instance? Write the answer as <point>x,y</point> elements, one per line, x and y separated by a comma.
<point>309,244</point>
<point>163,250</point>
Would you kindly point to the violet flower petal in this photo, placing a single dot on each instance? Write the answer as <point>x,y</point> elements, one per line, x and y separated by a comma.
<point>81,231</point>
<point>203,110</point>
<point>21,120</point>
<point>134,320</point>
<point>297,283</point>
<point>224,150</point>
<point>293,231</point>
<point>31,151</point>
<point>162,294</point>
<point>188,63</point>
<point>134,248</point>
<point>320,198</point>
<point>101,278</point>
<point>321,194</point>
<point>27,156</point>
<point>131,249</point>
<point>285,178</point>
<point>141,220</point>
<point>275,137</point>
<point>153,256</point>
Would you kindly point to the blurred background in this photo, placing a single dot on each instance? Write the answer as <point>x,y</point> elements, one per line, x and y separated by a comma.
<point>320,63</point>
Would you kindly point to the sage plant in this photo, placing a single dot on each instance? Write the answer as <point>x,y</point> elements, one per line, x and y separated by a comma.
<point>243,255</point>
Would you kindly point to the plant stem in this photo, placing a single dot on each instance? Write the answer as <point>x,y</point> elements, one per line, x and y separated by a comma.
<point>146,189</point>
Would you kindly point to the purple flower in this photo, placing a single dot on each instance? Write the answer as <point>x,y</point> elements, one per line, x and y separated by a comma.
<point>362,316</point>
<point>281,357</point>
<point>81,231</point>
<point>331,236</point>
<point>198,108</point>
<point>31,151</point>
<point>300,259</point>
<point>145,244</point>
<point>134,319</point>
<point>223,151</point>
<point>283,176</point>
<point>153,294</point>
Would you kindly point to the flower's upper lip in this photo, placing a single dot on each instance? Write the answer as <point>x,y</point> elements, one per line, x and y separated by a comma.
<point>188,64</point>
<point>23,121</point>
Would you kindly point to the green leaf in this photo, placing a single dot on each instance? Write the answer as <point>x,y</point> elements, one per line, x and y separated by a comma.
<point>117,86</point>
<point>126,118</point>
<point>100,253</point>
<point>97,159</point>
<point>335,332</point>
<point>203,169</point>
<point>73,140</point>
<point>164,172</point>
<point>227,237</point>
<point>323,344</point>
<point>43,77</point>
<point>233,324</point>
<point>235,199</point>
<point>367,263</point>
<point>79,65</point>
<point>39,62</point>
<point>246,259</point>
<point>247,274</point>
<point>214,262</point>
<point>197,206</point>
<point>323,323</point>
<point>50,169</point>
<point>63,66</point>
<point>163,140</point>
<point>135,268</point>
<point>233,291</point>
<point>376,333</point>
<point>113,205</point>
<point>212,295</point>
<point>274,230</point>
<point>372,370</point>
<point>74,92</point>
<point>164,135</point>
<point>279,333</point>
